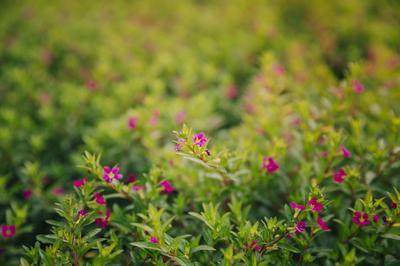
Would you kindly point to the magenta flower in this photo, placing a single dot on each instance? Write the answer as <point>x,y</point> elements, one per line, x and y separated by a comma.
<point>111,173</point>
<point>253,245</point>
<point>80,182</point>
<point>132,122</point>
<point>131,179</point>
<point>8,231</point>
<point>339,176</point>
<point>137,188</point>
<point>300,227</point>
<point>103,222</point>
<point>178,145</point>
<point>82,212</point>
<point>167,187</point>
<point>315,205</point>
<point>361,219</point>
<point>91,85</point>
<point>322,224</point>
<point>294,205</point>
<point>27,193</point>
<point>393,205</point>
<point>180,117</point>
<point>200,139</point>
<point>154,240</point>
<point>270,165</point>
<point>375,218</point>
<point>346,153</point>
<point>357,86</point>
<point>58,191</point>
<point>99,199</point>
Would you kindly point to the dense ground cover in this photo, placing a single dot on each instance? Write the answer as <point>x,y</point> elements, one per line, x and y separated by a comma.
<point>200,133</point>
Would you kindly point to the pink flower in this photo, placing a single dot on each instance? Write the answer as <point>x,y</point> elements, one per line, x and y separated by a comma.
<point>58,191</point>
<point>279,70</point>
<point>167,187</point>
<point>231,92</point>
<point>322,224</point>
<point>339,176</point>
<point>154,240</point>
<point>270,165</point>
<point>375,218</point>
<point>315,205</point>
<point>200,139</point>
<point>207,151</point>
<point>82,212</point>
<point>8,231</point>
<point>393,205</point>
<point>361,219</point>
<point>324,154</point>
<point>178,145</point>
<point>79,183</point>
<point>154,118</point>
<point>103,222</point>
<point>27,193</point>
<point>357,86</point>
<point>91,85</point>
<point>131,179</point>
<point>132,122</point>
<point>111,173</point>
<point>180,117</point>
<point>253,245</point>
<point>137,188</point>
<point>346,153</point>
<point>99,199</point>
<point>300,227</point>
<point>294,205</point>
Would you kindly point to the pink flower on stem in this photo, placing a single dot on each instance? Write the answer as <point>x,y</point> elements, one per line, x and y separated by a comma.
<point>279,69</point>
<point>315,205</point>
<point>111,173</point>
<point>27,193</point>
<point>338,177</point>
<point>58,191</point>
<point>375,218</point>
<point>393,205</point>
<point>361,219</point>
<point>270,165</point>
<point>178,145</point>
<point>200,139</point>
<point>8,231</point>
<point>103,222</point>
<point>231,92</point>
<point>322,224</point>
<point>82,212</point>
<point>154,240</point>
<point>132,122</point>
<point>167,187</point>
<point>80,182</point>
<point>131,179</point>
<point>253,245</point>
<point>294,205</point>
<point>207,151</point>
<point>91,85</point>
<point>346,153</point>
<point>357,86</point>
<point>99,199</point>
<point>137,188</point>
<point>300,227</point>
<point>180,117</point>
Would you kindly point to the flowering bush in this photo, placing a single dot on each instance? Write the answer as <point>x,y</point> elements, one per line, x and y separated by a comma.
<point>254,133</point>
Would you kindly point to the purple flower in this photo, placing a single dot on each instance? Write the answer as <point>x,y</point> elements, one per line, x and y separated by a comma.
<point>154,240</point>
<point>346,153</point>
<point>270,165</point>
<point>200,139</point>
<point>132,122</point>
<point>82,212</point>
<point>137,188</point>
<point>167,187</point>
<point>294,205</point>
<point>111,173</point>
<point>339,176</point>
<point>99,199</point>
<point>300,227</point>
<point>361,219</point>
<point>178,145</point>
<point>27,193</point>
<point>357,86</point>
<point>315,205</point>
<point>79,183</point>
<point>322,224</point>
<point>375,218</point>
<point>8,231</point>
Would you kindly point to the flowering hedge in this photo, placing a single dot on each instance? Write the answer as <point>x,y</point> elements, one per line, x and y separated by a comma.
<point>201,133</point>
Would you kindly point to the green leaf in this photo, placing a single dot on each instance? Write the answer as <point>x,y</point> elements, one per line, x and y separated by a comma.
<point>391,236</point>
<point>202,248</point>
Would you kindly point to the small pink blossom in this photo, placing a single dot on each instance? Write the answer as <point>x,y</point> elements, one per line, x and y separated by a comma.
<point>231,92</point>
<point>322,224</point>
<point>8,231</point>
<point>82,212</point>
<point>91,85</point>
<point>270,165</point>
<point>131,179</point>
<point>180,117</point>
<point>339,176</point>
<point>200,139</point>
<point>300,227</point>
<point>178,145</point>
<point>294,205</point>
<point>346,153</point>
<point>167,187</point>
<point>99,199</point>
<point>58,191</point>
<point>132,122</point>
<point>103,222</point>
<point>80,182</point>
<point>111,173</point>
<point>154,240</point>
<point>279,69</point>
<point>154,118</point>
<point>357,86</point>
<point>393,205</point>
<point>361,219</point>
<point>375,218</point>
<point>207,151</point>
<point>315,205</point>
<point>27,193</point>
<point>137,188</point>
